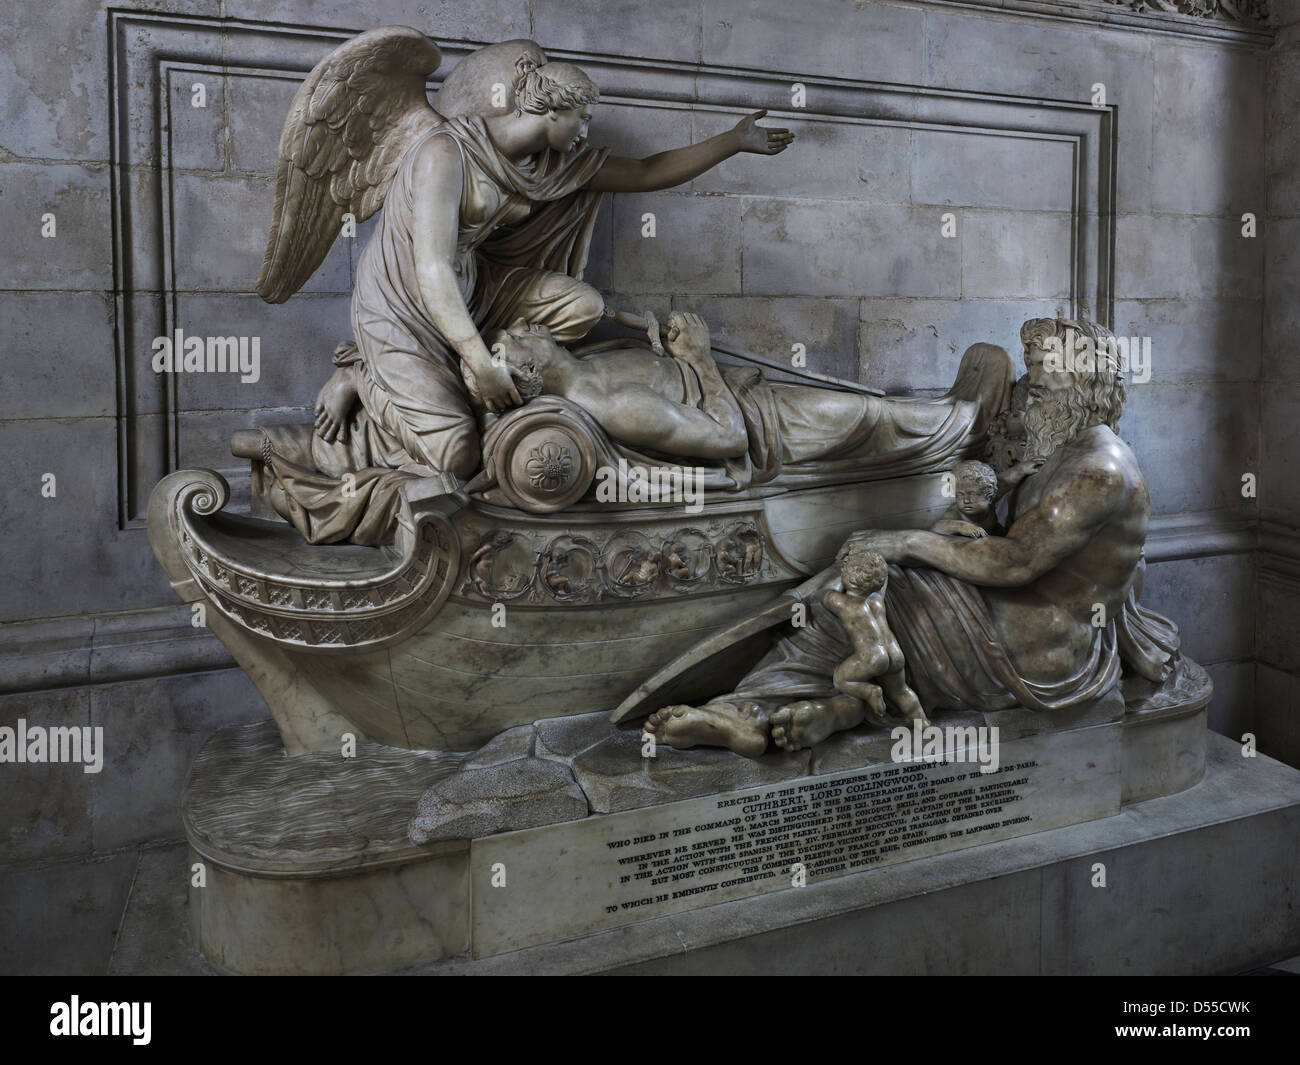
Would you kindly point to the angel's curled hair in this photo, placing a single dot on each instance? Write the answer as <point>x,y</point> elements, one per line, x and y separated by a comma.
<point>551,87</point>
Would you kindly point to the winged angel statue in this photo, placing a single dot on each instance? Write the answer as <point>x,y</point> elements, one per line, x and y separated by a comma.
<point>489,199</point>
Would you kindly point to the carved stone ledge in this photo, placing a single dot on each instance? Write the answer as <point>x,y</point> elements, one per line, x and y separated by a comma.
<point>1244,21</point>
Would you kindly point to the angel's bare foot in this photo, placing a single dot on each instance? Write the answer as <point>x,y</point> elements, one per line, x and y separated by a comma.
<point>334,404</point>
<point>805,724</point>
<point>736,726</point>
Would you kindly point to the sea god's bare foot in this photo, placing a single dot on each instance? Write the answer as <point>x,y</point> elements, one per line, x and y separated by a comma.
<point>805,724</point>
<point>733,725</point>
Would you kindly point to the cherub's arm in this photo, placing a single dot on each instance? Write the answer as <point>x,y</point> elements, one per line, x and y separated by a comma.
<point>838,603</point>
<point>678,165</point>
<point>958,527</point>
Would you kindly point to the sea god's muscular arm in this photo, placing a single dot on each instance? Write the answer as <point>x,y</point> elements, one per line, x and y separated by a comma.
<point>437,176</point>
<point>1040,539</point>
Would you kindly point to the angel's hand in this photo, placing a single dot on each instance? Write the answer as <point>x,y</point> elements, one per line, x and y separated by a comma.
<point>761,140</point>
<point>491,386</point>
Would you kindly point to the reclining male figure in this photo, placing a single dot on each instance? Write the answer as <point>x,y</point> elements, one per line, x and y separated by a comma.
<point>686,405</point>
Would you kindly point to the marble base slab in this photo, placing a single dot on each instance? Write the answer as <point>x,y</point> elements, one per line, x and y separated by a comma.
<point>1205,881</point>
<point>317,840</point>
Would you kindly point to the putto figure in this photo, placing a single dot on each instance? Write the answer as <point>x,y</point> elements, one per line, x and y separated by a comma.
<point>871,681</point>
<point>972,512</point>
<point>489,198</point>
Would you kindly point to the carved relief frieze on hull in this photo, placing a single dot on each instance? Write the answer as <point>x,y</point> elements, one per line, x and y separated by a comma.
<point>603,561</point>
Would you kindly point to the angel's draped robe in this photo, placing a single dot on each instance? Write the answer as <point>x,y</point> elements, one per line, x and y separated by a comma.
<point>524,234</point>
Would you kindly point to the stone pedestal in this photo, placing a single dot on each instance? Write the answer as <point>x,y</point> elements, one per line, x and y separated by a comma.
<point>1201,882</point>
<point>593,855</point>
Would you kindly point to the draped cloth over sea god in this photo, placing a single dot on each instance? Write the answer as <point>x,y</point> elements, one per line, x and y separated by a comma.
<point>524,235</point>
<point>955,659</point>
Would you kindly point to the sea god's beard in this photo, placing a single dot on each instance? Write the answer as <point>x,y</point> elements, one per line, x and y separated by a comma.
<point>1051,419</point>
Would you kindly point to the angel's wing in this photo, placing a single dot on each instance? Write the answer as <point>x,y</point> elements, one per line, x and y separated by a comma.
<point>349,124</point>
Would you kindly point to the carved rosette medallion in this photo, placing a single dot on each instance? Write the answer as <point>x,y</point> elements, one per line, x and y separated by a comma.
<point>543,463</point>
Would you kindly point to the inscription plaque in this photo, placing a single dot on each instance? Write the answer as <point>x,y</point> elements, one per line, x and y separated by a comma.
<point>557,882</point>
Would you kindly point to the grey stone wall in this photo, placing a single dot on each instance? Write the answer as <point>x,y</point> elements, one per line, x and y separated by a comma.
<point>913,110</point>
<point>1278,620</point>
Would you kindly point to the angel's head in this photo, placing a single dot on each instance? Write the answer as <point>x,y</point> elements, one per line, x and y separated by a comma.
<point>560,94</point>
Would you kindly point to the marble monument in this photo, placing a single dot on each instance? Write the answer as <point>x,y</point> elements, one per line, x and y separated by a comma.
<point>637,624</point>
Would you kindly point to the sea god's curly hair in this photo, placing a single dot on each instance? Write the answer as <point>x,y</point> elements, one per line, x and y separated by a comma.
<point>551,87</point>
<point>1097,395</point>
<point>864,570</point>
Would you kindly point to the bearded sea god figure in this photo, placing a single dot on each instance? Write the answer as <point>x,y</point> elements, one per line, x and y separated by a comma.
<point>1044,617</point>
<point>489,198</point>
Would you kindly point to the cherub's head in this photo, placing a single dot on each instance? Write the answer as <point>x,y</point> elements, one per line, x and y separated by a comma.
<point>864,571</point>
<point>562,93</point>
<point>528,350</point>
<point>977,488</point>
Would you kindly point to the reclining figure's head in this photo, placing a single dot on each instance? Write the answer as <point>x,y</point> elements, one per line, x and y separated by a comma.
<point>528,349</point>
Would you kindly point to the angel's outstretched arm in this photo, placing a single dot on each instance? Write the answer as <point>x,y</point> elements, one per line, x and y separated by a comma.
<point>666,169</point>
<point>438,177</point>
